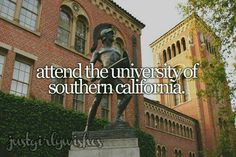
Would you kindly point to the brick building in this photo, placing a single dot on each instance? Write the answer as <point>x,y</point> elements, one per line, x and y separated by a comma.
<point>189,42</point>
<point>36,33</point>
<point>59,33</point>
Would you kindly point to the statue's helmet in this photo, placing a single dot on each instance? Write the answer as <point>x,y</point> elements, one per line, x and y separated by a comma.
<point>100,32</point>
<point>104,32</point>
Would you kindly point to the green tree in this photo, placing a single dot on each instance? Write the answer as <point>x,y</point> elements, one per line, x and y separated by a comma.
<point>214,77</point>
<point>219,14</point>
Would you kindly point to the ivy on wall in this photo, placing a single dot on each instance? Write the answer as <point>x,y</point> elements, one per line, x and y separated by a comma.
<point>24,123</point>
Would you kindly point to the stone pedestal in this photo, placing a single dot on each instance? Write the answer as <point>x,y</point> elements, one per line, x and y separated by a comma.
<point>116,140</point>
<point>111,148</point>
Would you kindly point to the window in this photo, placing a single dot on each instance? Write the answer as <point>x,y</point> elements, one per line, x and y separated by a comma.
<point>184,131</point>
<point>183,44</point>
<point>176,97</point>
<point>181,130</point>
<point>166,125</point>
<point>24,12</point>
<point>158,151</point>
<point>122,117</point>
<point>152,121</point>
<point>2,60</point>
<point>187,133</point>
<point>64,29</point>
<point>163,152</point>
<point>191,133</point>
<point>81,34</point>
<point>105,107</point>
<point>7,8</point>
<point>29,14</point>
<point>164,56</point>
<point>178,153</point>
<point>58,98</point>
<point>78,102</point>
<point>161,123</point>
<point>147,119</point>
<point>21,78</point>
<point>178,47</point>
<point>185,88</point>
<point>190,154</point>
<point>157,122</point>
<point>173,128</point>
<point>170,126</point>
<point>174,50</point>
<point>72,31</point>
<point>177,129</point>
<point>169,53</point>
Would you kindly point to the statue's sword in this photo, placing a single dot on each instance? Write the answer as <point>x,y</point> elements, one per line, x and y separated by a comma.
<point>122,63</point>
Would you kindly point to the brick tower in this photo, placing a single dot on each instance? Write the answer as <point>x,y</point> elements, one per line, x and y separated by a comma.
<point>189,41</point>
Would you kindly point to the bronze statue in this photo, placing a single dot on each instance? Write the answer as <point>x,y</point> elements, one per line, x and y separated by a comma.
<point>110,57</point>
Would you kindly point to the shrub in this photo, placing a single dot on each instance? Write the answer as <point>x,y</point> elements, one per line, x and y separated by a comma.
<point>21,117</point>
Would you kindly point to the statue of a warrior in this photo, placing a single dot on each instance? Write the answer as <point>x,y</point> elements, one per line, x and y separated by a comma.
<point>109,57</point>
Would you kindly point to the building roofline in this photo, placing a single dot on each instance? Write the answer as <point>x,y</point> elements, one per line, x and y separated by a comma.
<point>157,103</point>
<point>130,16</point>
<point>194,15</point>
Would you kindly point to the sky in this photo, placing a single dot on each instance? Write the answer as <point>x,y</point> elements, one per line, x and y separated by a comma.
<point>159,16</point>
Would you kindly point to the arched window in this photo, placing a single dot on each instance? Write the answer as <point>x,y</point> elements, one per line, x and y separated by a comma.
<point>64,29</point>
<point>188,132</point>
<point>169,53</point>
<point>81,34</point>
<point>105,109</point>
<point>162,124</point>
<point>29,14</point>
<point>173,50</point>
<point>152,121</point>
<point>170,126</point>
<point>147,119</point>
<point>166,125</point>
<point>181,130</point>
<point>185,88</point>
<point>191,133</point>
<point>180,153</point>
<point>184,131</point>
<point>163,152</point>
<point>178,47</point>
<point>158,151</point>
<point>177,129</point>
<point>183,43</point>
<point>164,56</point>
<point>176,96</point>
<point>173,127</point>
<point>190,154</point>
<point>176,153</point>
<point>157,122</point>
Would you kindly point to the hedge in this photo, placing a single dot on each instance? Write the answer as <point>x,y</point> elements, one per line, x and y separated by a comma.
<point>39,120</point>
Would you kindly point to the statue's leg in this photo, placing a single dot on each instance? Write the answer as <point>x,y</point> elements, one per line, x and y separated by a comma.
<point>125,99</point>
<point>93,109</point>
